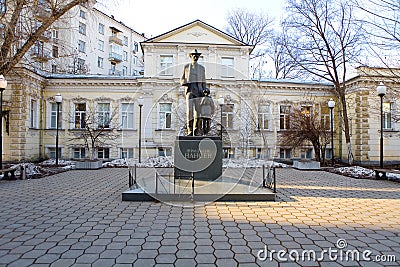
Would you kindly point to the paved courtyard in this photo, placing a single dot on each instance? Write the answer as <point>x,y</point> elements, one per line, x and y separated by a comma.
<point>77,218</point>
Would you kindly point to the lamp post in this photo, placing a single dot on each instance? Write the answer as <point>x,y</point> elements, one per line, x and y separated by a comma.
<point>58,99</point>
<point>331,105</point>
<point>381,90</point>
<point>3,85</point>
<point>140,102</point>
<point>221,103</point>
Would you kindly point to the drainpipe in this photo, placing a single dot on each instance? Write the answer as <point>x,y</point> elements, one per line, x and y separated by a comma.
<point>41,120</point>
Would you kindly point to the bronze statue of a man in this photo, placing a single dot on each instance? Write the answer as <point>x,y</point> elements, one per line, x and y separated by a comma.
<point>194,81</point>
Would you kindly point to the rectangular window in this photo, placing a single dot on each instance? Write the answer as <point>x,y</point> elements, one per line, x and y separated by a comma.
<point>165,116</point>
<point>103,115</point>
<point>227,116</point>
<point>103,153</point>
<point>2,30</point>
<point>285,153</point>
<point>166,65</point>
<point>80,115</point>
<point>101,28</point>
<point>82,28</point>
<point>284,120</point>
<point>55,51</point>
<point>127,153</point>
<point>387,116</point>
<point>33,113</point>
<point>125,40</point>
<point>261,153</point>
<point>81,46</point>
<point>3,7</point>
<point>52,152</point>
<point>100,45</point>
<point>136,47</point>
<point>325,118</point>
<point>100,61</point>
<point>54,35</point>
<point>79,153</point>
<point>124,71</point>
<point>328,153</point>
<point>82,14</point>
<point>164,151</point>
<point>81,64</point>
<point>127,115</point>
<point>53,116</point>
<point>227,67</point>
<point>125,56</point>
<point>263,117</point>
<point>306,153</point>
<point>53,68</point>
<point>306,110</point>
<point>229,152</point>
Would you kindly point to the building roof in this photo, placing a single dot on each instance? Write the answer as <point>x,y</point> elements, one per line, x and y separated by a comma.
<point>224,37</point>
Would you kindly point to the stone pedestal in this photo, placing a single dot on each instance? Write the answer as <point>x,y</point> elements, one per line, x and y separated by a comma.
<point>200,155</point>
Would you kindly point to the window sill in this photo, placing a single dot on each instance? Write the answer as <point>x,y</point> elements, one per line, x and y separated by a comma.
<point>390,131</point>
<point>127,130</point>
<point>167,130</point>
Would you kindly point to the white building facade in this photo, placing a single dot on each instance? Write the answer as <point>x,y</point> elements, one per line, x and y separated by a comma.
<point>87,41</point>
<point>254,113</point>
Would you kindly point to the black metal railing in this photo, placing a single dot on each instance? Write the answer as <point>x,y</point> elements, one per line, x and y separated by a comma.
<point>269,177</point>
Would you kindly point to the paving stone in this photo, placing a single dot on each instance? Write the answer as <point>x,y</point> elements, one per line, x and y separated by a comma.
<point>87,258</point>
<point>185,262</point>
<point>47,258</point>
<point>167,249</point>
<point>8,258</point>
<point>226,263</point>
<point>72,254</point>
<point>126,258</point>
<point>165,258</point>
<point>20,263</point>
<point>90,220</point>
<point>63,263</point>
<point>147,254</point>
<point>144,262</point>
<point>223,254</point>
<point>103,262</point>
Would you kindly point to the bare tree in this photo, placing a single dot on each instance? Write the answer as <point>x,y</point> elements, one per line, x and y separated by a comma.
<point>323,38</point>
<point>25,22</point>
<point>254,29</point>
<point>248,27</point>
<point>304,128</point>
<point>284,67</point>
<point>382,20</point>
<point>94,131</point>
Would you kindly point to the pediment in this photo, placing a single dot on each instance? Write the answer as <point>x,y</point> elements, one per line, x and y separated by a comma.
<point>196,32</point>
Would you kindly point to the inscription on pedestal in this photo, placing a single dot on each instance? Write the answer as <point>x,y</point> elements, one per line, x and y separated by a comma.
<point>199,155</point>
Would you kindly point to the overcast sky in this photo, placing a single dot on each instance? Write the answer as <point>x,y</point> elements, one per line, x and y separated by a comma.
<point>154,17</point>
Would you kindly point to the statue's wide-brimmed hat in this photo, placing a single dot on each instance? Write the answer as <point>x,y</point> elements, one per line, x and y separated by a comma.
<point>194,52</point>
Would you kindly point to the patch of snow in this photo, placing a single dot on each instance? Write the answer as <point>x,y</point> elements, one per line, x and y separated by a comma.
<point>355,171</point>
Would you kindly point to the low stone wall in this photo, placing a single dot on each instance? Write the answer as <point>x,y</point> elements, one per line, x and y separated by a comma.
<point>88,165</point>
<point>306,165</point>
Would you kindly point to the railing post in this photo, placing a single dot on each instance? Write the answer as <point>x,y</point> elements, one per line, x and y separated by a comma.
<point>156,182</point>
<point>134,179</point>
<point>273,168</point>
<point>193,186</point>
<point>263,175</point>
<point>130,176</point>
